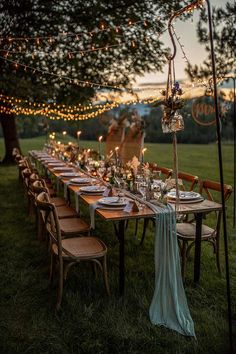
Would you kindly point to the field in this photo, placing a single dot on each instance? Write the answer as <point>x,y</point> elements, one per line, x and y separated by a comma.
<point>90,322</point>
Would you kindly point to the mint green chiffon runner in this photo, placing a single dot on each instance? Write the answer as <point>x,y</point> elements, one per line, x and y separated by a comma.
<point>169,306</point>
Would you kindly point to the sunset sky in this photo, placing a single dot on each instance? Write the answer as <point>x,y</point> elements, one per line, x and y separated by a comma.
<point>188,37</point>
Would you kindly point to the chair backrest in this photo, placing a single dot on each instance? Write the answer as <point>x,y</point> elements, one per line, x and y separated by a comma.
<point>164,170</point>
<point>49,216</point>
<point>189,181</point>
<point>25,173</point>
<point>209,187</point>
<point>51,222</point>
<point>38,187</point>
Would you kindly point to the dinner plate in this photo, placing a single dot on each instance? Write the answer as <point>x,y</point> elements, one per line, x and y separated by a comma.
<point>106,207</point>
<point>187,201</point>
<point>80,180</point>
<point>93,189</point>
<point>55,164</point>
<point>62,169</point>
<point>184,195</point>
<point>69,174</point>
<point>112,201</point>
<point>47,160</point>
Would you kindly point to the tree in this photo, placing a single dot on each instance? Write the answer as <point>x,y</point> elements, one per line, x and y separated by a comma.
<point>224,33</point>
<point>135,49</point>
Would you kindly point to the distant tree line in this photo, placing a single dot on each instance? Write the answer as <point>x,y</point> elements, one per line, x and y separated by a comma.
<point>193,133</point>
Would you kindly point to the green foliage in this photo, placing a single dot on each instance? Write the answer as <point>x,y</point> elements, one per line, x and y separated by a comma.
<point>90,322</point>
<point>224,34</point>
<point>116,66</point>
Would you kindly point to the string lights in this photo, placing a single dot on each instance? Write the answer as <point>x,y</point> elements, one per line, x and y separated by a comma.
<point>55,113</point>
<point>78,35</point>
<point>82,83</point>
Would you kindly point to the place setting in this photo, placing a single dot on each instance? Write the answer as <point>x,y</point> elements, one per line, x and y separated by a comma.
<point>92,190</point>
<point>184,197</point>
<point>112,203</point>
<point>69,175</point>
<point>82,181</point>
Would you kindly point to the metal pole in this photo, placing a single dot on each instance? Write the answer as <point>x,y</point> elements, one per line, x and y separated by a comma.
<point>234,147</point>
<point>234,154</point>
<point>221,177</point>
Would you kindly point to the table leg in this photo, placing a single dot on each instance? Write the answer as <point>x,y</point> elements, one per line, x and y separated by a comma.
<point>121,237</point>
<point>197,255</point>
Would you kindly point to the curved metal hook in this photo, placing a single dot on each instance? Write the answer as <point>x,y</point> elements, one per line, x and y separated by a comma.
<point>195,3</point>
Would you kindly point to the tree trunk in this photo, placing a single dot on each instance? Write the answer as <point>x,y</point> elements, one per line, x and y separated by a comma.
<point>10,136</point>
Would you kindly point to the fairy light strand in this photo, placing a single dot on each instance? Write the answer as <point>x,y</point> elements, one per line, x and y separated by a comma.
<point>103,28</point>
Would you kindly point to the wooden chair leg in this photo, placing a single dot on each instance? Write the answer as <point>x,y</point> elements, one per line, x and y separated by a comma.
<point>41,227</point>
<point>60,286</point>
<point>105,277</point>
<point>51,271</point>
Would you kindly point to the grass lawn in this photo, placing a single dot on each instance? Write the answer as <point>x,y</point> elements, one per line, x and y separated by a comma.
<point>90,322</point>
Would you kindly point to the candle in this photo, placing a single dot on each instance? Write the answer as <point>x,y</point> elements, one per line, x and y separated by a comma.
<point>116,154</point>
<point>143,151</point>
<point>64,134</point>
<point>87,155</point>
<point>78,136</point>
<point>100,145</point>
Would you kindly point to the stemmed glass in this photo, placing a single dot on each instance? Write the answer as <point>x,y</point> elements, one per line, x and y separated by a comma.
<point>142,188</point>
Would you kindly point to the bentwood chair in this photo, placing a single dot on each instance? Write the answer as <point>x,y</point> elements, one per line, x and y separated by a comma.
<point>189,181</point>
<point>166,172</point>
<point>186,231</point>
<point>70,251</point>
<point>70,224</point>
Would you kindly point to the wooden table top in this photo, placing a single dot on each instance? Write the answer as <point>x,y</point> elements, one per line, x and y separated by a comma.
<point>145,212</point>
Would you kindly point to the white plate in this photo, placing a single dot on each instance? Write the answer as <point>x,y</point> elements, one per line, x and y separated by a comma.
<point>80,180</point>
<point>186,201</point>
<point>113,201</point>
<point>93,189</point>
<point>103,207</point>
<point>56,164</point>
<point>62,169</point>
<point>69,174</point>
<point>184,195</point>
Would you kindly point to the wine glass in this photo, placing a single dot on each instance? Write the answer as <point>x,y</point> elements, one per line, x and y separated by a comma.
<point>142,187</point>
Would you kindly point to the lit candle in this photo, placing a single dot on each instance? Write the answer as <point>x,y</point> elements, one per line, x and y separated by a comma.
<point>116,154</point>
<point>78,136</point>
<point>87,155</point>
<point>64,134</point>
<point>100,145</point>
<point>143,151</point>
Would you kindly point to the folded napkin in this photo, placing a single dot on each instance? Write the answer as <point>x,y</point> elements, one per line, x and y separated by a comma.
<point>92,208</point>
<point>66,184</point>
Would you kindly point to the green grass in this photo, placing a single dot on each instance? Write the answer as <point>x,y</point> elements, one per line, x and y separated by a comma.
<point>90,322</point>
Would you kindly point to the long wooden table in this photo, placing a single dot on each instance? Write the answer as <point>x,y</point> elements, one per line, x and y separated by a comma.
<point>198,209</point>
